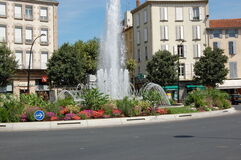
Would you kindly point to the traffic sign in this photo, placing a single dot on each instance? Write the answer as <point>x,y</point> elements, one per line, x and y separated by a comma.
<point>39,115</point>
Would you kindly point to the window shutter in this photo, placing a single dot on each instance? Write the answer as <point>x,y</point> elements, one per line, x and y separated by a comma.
<point>165,14</point>
<point>200,13</point>
<point>195,51</point>
<point>18,35</point>
<point>2,9</point>
<point>198,30</point>
<point>138,20</point>
<point>182,32</point>
<point>145,35</point>
<point>185,51</point>
<point>162,32</point>
<point>177,33</point>
<point>2,34</point>
<point>166,32</point>
<point>199,50</point>
<point>138,37</point>
<point>175,50</point>
<point>191,13</point>
<point>194,32</point>
<point>233,70</point>
<point>162,14</point>
<point>145,16</point>
<point>234,47</point>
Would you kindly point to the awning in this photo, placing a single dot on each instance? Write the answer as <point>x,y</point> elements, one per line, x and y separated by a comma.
<point>195,86</point>
<point>171,88</point>
<point>230,84</point>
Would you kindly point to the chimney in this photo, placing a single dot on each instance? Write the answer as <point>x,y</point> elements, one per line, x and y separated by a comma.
<point>138,3</point>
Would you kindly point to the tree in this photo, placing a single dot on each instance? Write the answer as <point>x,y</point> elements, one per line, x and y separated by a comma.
<point>162,69</point>
<point>210,69</point>
<point>8,65</point>
<point>131,65</point>
<point>71,64</point>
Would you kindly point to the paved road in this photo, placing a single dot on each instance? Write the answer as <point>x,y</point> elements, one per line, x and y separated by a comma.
<point>204,139</point>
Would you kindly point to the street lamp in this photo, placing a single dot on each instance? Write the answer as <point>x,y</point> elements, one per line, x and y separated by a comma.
<point>180,50</point>
<point>30,57</point>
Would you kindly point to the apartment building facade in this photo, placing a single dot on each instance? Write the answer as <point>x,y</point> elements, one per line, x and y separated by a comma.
<point>165,24</point>
<point>226,34</point>
<point>21,22</point>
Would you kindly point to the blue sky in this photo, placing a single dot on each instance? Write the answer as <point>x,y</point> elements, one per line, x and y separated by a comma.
<point>84,19</point>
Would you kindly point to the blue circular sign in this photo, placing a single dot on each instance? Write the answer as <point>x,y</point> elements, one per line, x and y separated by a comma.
<point>39,115</point>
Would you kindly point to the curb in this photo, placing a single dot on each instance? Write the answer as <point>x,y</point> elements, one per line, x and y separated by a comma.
<point>55,125</point>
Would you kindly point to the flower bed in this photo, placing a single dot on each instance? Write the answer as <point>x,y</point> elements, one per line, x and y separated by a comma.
<point>95,106</point>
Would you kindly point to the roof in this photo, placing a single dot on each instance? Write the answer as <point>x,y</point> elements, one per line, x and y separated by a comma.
<point>225,23</point>
<point>147,2</point>
<point>43,1</point>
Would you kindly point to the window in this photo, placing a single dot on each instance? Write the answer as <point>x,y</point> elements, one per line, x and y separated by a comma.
<point>196,32</point>
<point>216,45</point>
<point>18,11</point>
<point>195,13</point>
<point>138,37</point>
<point>19,58</point>
<point>179,14</point>
<point>146,53</point>
<point>2,33</point>
<point>43,14</point>
<point>164,47</point>
<point>164,33</point>
<point>27,60</point>
<point>180,49</point>
<point>179,33</point>
<point>138,20</point>
<point>232,33</point>
<point>44,38</point>
<point>233,70</point>
<point>145,16</point>
<point>29,12</point>
<point>197,50</point>
<point>139,55</point>
<point>2,9</point>
<point>182,70</point>
<point>18,35</point>
<point>217,34</point>
<point>44,60</point>
<point>163,14</point>
<point>145,35</point>
<point>29,35</point>
<point>232,47</point>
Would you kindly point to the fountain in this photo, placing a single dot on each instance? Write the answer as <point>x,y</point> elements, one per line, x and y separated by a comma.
<point>112,77</point>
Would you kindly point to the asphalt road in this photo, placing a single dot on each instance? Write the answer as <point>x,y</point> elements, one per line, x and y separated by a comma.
<point>203,139</point>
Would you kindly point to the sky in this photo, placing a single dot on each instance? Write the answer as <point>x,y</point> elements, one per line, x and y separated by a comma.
<point>85,19</point>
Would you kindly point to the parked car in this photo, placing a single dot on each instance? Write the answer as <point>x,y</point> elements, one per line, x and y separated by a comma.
<point>235,99</point>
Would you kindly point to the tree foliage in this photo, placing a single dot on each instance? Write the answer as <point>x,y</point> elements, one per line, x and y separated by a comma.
<point>8,65</point>
<point>71,64</point>
<point>210,69</point>
<point>131,65</point>
<point>162,69</point>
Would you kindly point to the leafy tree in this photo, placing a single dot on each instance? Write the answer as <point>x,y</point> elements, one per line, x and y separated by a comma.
<point>162,69</point>
<point>210,69</point>
<point>71,63</point>
<point>131,65</point>
<point>8,65</point>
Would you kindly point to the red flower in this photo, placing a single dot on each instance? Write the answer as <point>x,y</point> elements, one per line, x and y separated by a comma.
<point>116,112</point>
<point>53,118</point>
<point>63,111</point>
<point>161,110</point>
<point>76,117</point>
<point>98,114</point>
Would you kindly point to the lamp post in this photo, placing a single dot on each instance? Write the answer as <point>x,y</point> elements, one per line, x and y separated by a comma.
<point>30,57</point>
<point>180,50</point>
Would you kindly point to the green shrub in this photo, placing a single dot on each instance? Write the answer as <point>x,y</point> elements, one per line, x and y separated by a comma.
<point>152,96</point>
<point>33,100</point>
<point>65,102</point>
<point>73,108</point>
<point>93,99</point>
<point>128,107</point>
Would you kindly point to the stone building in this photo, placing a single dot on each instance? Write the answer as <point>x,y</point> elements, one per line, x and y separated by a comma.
<point>21,21</point>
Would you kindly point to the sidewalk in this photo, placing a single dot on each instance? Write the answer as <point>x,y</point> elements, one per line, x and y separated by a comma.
<point>54,125</point>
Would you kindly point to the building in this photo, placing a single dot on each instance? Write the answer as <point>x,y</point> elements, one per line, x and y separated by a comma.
<point>226,34</point>
<point>128,38</point>
<point>163,25</point>
<point>21,21</point>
